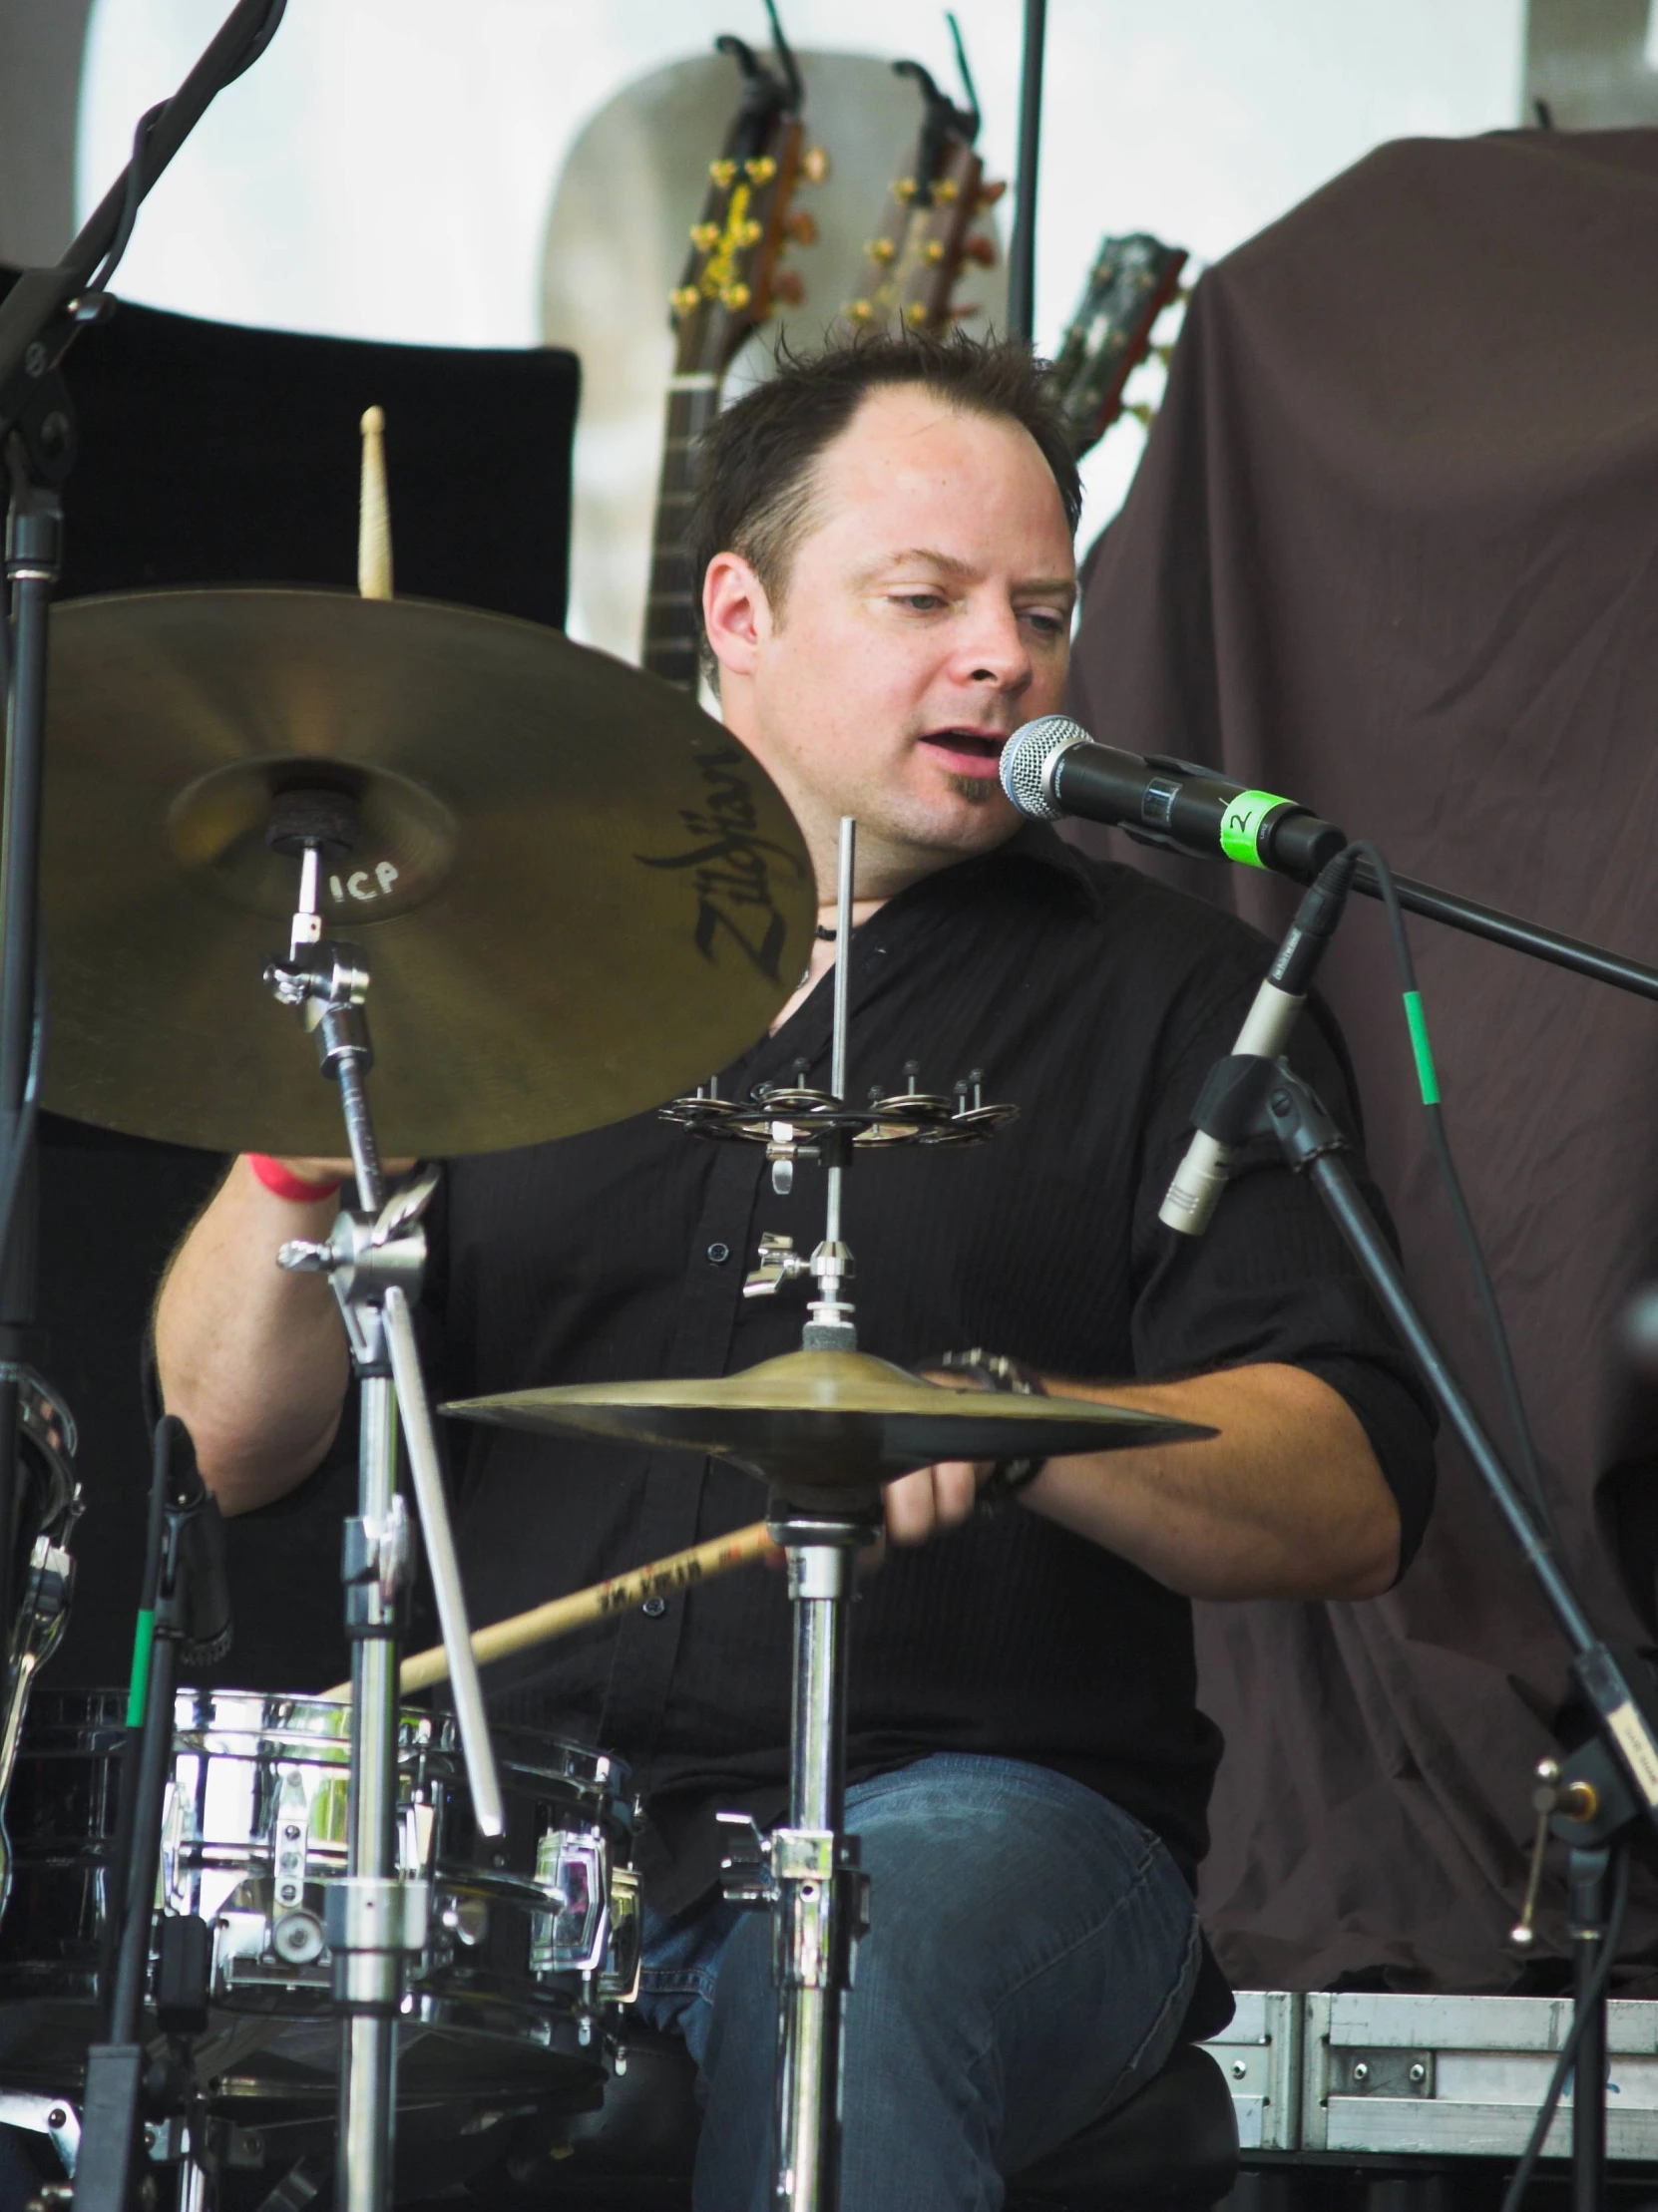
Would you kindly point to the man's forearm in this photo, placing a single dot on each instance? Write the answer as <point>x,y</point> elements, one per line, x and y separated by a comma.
<point>252,1359</point>
<point>1286,1502</point>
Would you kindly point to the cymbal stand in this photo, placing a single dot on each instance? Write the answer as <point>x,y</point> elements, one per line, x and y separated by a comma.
<point>373,1259</point>
<point>807,1872</point>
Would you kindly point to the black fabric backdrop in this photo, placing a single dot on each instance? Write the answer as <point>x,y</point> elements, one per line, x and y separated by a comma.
<point>1393,551</point>
<point>212,454</point>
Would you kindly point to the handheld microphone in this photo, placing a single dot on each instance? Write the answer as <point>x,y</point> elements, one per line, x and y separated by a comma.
<point>1053,767</point>
<point>1201,1175</point>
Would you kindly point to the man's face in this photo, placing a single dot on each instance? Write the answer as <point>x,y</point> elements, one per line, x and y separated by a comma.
<point>926,615</point>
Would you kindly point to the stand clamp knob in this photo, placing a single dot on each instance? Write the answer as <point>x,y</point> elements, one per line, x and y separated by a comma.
<point>779,1263</point>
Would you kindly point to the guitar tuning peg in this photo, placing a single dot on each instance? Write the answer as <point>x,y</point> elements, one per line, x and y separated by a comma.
<point>814,165</point>
<point>801,226</point>
<point>988,194</point>
<point>982,249</point>
<point>787,286</point>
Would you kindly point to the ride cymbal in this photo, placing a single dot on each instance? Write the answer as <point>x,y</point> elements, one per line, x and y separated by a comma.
<point>828,1421</point>
<point>577,895</point>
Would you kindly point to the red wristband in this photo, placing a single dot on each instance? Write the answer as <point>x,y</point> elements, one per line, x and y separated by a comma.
<point>295,1188</point>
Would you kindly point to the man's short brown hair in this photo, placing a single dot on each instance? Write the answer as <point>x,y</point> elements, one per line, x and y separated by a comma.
<point>756,469</point>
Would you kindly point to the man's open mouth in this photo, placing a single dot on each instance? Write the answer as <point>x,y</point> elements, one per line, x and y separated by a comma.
<point>967,752</point>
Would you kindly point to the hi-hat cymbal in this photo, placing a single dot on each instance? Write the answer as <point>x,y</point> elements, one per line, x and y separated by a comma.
<point>577,895</point>
<point>829,1421</point>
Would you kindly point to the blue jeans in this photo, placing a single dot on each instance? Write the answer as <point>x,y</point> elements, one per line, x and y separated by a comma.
<point>1031,1954</point>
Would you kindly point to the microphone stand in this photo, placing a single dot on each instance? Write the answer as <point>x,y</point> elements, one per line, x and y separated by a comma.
<point>1431,900</point>
<point>1499,927</point>
<point>1021,246</point>
<point>39,320</point>
<point>118,2081</point>
<point>1611,1782</point>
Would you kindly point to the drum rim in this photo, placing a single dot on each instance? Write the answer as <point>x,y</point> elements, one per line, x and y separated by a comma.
<point>64,1720</point>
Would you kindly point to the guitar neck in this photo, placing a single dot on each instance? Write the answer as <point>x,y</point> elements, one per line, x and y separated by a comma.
<point>671,617</point>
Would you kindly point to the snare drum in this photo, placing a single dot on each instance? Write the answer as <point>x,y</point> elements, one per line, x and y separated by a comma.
<point>534,1937</point>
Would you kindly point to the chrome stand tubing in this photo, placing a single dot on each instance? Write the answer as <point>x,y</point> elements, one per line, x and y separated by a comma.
<point>820,1897</point>
<point>369,1987</point>
<point>820,1583</point>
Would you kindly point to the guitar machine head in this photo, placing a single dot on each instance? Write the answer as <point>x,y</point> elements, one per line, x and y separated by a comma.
<point>1132,281</point>
<point>913,263</point>
<point>732,277</point>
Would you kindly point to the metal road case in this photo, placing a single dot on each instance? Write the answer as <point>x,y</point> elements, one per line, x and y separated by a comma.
<point>1458,2075</point>
<point>1260,2056</point>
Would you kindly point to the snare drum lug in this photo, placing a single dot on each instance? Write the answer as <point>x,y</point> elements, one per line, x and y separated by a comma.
<point>618,1977</point>
<point>420,1822</point>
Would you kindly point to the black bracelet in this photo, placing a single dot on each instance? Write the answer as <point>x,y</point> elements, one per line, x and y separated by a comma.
<point>994,1370</point>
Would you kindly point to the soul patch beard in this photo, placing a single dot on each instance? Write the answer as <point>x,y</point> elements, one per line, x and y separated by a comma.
<point>977,791</point>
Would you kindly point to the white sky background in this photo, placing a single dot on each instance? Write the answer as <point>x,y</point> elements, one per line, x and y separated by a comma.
<point>387,168</point>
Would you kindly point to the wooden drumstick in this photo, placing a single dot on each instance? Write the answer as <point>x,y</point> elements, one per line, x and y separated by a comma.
<point>543,1623</point>
<point>374,511</point>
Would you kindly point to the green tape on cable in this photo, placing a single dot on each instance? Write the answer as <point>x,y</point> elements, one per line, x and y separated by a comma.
<point>1240,825</point>
<point>1427,1076</point>
<point>144,1635</point>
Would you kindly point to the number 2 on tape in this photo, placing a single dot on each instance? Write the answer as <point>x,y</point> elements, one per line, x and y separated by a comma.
<point>1240,825</point>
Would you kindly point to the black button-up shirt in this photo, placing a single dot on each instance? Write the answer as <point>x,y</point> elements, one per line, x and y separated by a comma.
<point>1096,1001</point>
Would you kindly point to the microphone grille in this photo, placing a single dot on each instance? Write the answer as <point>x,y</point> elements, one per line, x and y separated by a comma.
<point>1029,759</point>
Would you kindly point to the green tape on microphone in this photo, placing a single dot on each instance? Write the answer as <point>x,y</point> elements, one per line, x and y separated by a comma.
<point>1240,825</point>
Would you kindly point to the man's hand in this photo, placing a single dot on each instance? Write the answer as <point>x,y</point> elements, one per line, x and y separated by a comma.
<point>933,1499</point>
<point>923,1505</point>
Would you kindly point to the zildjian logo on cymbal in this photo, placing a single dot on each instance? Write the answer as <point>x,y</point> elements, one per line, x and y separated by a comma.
<point>733,874</point>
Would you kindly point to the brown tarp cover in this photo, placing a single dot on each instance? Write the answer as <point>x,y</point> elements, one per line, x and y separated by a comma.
<point>1393,551</point>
